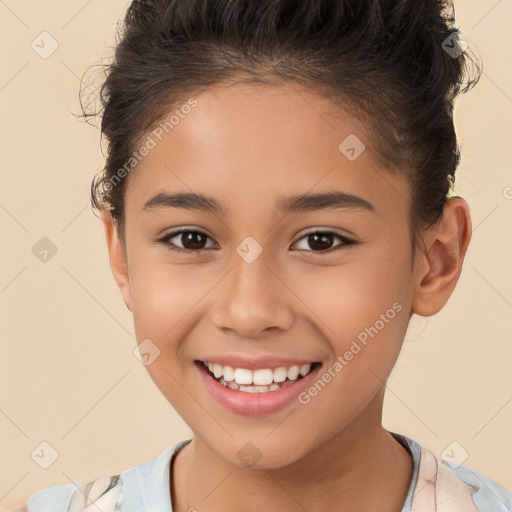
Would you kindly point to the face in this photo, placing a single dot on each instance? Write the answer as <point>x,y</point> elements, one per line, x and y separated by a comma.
<point>254,287</point>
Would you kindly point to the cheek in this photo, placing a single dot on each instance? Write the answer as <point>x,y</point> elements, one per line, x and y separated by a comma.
<point>364,317</point>
<point>163,298</point>
<point>163,294</point>
<point>357,289</point>
<point>366,300</point>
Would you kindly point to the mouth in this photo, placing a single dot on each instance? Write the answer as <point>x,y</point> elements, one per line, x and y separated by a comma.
<point>263,380</point>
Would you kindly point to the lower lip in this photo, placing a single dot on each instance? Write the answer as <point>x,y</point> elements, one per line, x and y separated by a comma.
<point>255,404</point>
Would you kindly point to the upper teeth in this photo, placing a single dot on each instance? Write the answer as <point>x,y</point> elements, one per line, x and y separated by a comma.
<point>262,377</point>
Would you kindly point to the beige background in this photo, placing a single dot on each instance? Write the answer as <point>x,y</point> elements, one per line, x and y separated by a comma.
<point>68,374</point>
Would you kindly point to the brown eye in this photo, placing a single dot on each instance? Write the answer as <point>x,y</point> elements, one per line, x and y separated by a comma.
<point>322,241</point>
<point>191,240</point>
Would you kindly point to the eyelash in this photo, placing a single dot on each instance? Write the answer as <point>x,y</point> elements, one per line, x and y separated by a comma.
<point>165,240</point>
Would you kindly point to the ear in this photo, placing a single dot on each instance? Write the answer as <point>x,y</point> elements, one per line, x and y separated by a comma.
<point>439,268</point>
<point>117,257</point>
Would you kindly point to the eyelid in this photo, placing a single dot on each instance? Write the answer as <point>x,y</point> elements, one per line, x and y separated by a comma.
<point>346,241</point>
<point>165,240</point>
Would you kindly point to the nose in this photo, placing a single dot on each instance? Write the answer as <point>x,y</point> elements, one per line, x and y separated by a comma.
<point>253,300</point>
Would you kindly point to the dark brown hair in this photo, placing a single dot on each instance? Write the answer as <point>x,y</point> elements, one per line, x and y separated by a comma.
<point>393,64</point>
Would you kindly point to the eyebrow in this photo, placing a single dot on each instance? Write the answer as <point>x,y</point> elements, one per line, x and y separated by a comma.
<point>298,203</point>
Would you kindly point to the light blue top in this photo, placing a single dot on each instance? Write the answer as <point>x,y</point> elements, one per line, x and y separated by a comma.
<point>437,485</point>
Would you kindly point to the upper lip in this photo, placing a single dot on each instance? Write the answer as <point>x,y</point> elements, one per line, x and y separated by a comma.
<point>255,363</point>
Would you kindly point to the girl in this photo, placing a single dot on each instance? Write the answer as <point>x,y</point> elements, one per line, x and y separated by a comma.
<point>277,203</point>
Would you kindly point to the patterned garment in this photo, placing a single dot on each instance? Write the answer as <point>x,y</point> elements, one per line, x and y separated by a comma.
<point>436,486</point>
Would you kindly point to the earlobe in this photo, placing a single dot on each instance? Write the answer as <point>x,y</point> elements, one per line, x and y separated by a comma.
<point>446,244</point>
<point>117,257</point>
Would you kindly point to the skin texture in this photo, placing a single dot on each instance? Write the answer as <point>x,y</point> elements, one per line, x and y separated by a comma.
<point>247,145</point>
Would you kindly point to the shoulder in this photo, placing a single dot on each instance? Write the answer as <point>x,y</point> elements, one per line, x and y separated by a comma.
<point>451,487</point>
<point>487,494</point>
<point>102,492</point>
<point>106,492</point>
<point>54,499</point>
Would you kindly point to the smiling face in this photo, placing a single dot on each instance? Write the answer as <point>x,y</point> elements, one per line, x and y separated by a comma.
<point>254,283</point>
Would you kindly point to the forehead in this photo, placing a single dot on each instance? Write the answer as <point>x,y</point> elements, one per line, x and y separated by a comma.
<point>244,139</point>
